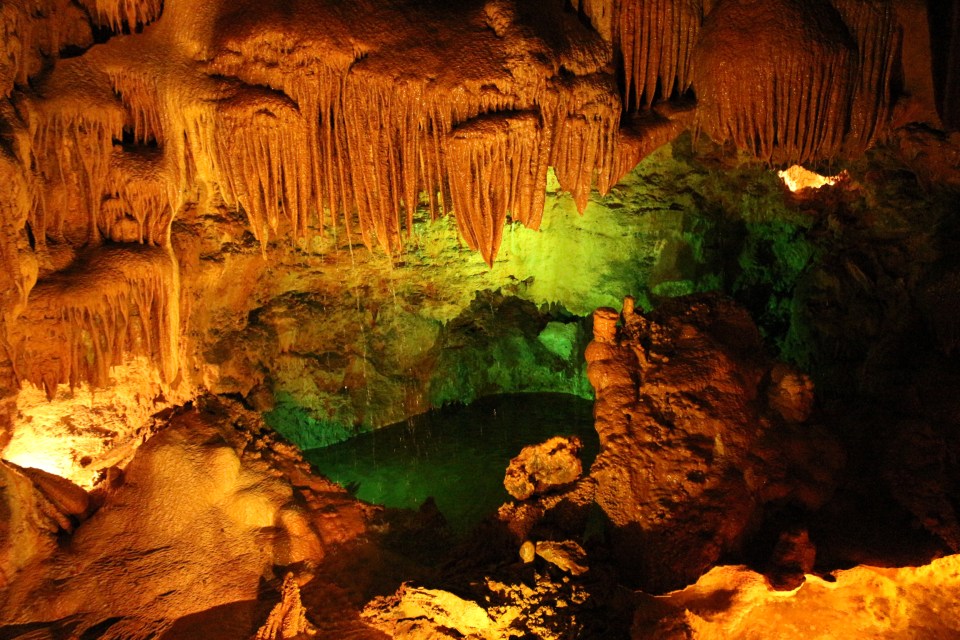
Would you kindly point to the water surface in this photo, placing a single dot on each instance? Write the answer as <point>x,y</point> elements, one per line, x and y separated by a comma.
<point>457,454</point>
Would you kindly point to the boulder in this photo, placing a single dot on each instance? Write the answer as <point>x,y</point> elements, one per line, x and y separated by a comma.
<point>544,467</point>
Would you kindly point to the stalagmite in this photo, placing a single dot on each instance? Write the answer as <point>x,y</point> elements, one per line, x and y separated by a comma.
<point>288,619</point>
<point>777,78</point>
<point>656,39</point>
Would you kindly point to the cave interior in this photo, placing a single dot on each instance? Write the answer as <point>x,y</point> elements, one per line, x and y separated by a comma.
<point>486,319</point>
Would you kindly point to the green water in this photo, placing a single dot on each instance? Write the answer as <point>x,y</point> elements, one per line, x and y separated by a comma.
<point>457,455</point>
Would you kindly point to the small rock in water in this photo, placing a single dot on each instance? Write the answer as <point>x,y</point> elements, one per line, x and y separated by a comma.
<point>542,467</point>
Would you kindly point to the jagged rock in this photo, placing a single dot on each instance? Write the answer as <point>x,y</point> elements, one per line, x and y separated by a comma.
<point>209,505</point>
<point>435,610</point>
<point>689,441</point>
<point>544,467</point>
<point>564,513</point>
<point>864,602</point>
<point>567,555</point>
<point>28,523</point>
<point>288,619</point>
<point>67,497</point>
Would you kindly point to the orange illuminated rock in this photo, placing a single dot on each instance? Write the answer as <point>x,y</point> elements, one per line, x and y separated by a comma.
<point>206,509</point>
<point>657,38</point>
<point>544,467</point>
<point>863,602</point>
<point>690,447</point>
<point>288,618</point>
<point>802,82</point>
<point>29,524</point>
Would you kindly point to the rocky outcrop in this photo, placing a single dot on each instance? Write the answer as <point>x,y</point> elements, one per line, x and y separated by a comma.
<point>418,612</point>
<point>29,524</point>
<point>207,508</point>
<point>696,436</point>
<point>863,602</point>
<point>543,467</point>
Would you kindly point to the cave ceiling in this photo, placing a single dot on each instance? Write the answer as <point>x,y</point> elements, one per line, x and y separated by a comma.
<point>310,115</point>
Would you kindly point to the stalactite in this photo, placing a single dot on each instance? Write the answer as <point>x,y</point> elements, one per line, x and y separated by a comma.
<point>288,130</point>
<point>18,266</point>
<point>138,92</point>
<point>656,39</point>
<point>495,167</point>
<point>33,32</point>
<point>262,153</point>
<point>139,209</point>
<point>873,25</point>
<point>72,137</point>
<point>777,78</point>
<point>585,119</point>
<point>118,300</point>
<point>117,14</point>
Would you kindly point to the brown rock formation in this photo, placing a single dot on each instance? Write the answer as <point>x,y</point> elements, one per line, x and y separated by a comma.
<point>212,494</point>
<point>28,524</point>
<point>540,468</point>
<point>686,436</point>
<point>795,81</point>
<point>288,619</point>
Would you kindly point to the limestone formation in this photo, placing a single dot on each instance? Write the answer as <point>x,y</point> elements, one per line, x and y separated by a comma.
<point>544,467</point>
<point>909,601</point>
<point>686,461</point>
<point>566,555</point>
<point>288,619</point>
<point>294,202</point>
<point>418,612</point>
<point>29,524</point>
<point>203,514</point>
<point>790,86</point>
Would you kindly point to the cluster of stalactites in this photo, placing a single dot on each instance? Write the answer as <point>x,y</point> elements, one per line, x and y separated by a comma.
<point>87,186</point>
<point>72,153</point>
<point>120,14</point>
<point>585,134</point>
<point>82,321</point>
<point>873,25</point>
<point>355,144</point>
<point>789,81</point>
<point>32,32</point>
<point>782,88</point>
<point>136,208</point>
<point>497,162</point>
<point>656,39</point>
